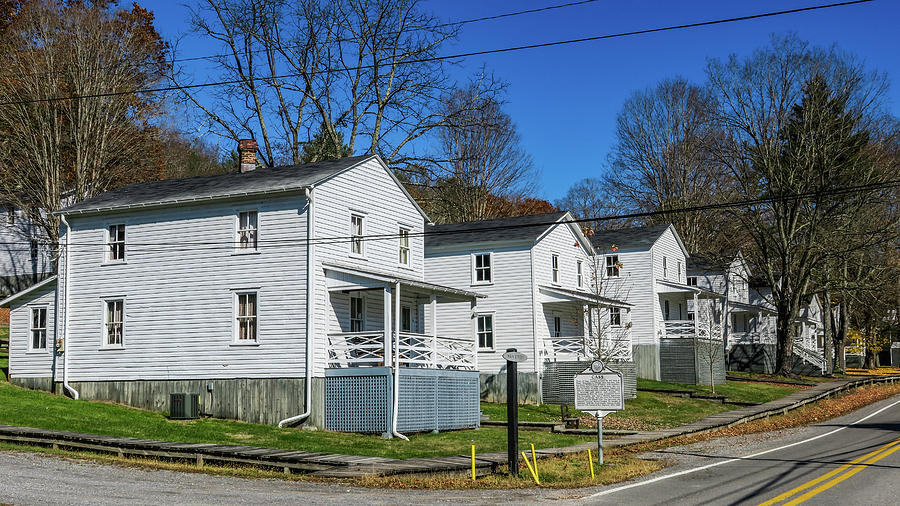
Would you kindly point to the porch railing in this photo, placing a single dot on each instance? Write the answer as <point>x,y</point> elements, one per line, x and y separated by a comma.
<point>746,338</point>
<point>617,347</point>
<point>687,329</point>
<point>366,349</point>
<point>810,355</point>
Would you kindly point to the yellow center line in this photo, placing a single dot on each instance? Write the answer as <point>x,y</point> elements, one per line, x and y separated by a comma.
<point>820,479</point>
<point>835,481</point>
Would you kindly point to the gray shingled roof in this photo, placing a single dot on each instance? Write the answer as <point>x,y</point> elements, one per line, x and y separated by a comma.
<point>171,191</point>
<point>517,228</point>
<point>627,238</point>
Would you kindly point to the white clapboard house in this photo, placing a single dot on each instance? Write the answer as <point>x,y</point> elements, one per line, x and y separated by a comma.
<point>647,267</point>
<point>538,275</point>
<point>206,285</point>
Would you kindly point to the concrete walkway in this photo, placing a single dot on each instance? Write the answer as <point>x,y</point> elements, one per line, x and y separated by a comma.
<point>346,466</point>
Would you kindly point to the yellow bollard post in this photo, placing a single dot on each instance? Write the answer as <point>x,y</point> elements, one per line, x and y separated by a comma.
<point>591,461</point>
<point>530,469</point>
<point>473,462</point>
<point>534,458</point>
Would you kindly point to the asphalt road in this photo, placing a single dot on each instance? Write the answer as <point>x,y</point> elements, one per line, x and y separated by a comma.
<point>746,470</point>
<point>850,460</point>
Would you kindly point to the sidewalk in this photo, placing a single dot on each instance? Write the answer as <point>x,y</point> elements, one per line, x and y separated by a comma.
<point>348,466</point>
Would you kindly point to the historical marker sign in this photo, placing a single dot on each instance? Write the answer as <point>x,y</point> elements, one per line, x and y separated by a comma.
<point>599,391</point>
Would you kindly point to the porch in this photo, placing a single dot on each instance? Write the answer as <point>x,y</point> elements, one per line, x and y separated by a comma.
<point>584,326</point>
<point>688,312</point>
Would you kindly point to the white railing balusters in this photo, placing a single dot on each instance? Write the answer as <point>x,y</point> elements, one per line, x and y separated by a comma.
<point>366,349</point>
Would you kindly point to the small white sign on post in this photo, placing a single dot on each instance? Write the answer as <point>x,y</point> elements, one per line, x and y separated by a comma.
<point>601,390</point>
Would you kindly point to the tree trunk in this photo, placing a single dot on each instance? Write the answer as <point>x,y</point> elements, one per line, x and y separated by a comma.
<point>784,361</point>
<point>828,340</point>
<point>871,361</point>
<point>842,328</point>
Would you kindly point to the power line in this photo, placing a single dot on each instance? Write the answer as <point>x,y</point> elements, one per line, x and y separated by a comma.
<point>214,245</point>
<point>455,56</point>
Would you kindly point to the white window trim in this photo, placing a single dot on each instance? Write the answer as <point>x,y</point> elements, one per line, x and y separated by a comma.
<point>104,335</point>
<point>31,348</point>
<point>579,274</point>
<point>475,281</point>
<point>365,226</point>
<point>555,272</point>
<point>237,231</point>
<point>616,268</point>
<point>688,280</point>
<point>365,310</point>
<point>493,316</point>
<point>106,242</point>
<point>406,307</point>
<point>665,267</point>
<point>400,229</point>
<point>679,271</point>
<point>235,341</point>
<point>615,310</point>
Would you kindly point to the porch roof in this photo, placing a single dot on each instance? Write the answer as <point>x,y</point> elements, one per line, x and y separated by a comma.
<point>666,286</point>
<point>556,293</point>
<point>7,302</point>
<point>391,278</point>
<point>740,307</point>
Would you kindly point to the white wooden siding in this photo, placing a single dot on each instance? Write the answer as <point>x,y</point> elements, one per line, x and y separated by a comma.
<point>38,363</point>
<point>178,283</point>
<point>636,286</point>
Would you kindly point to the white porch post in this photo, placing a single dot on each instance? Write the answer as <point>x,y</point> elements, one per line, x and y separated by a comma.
<point>434,331</point>
<point>387,325</point>
<point>585,330</point>
<point>474,331</point>
<point>697,314</point>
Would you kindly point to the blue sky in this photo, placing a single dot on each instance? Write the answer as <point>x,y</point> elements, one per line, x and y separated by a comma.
<point>565,99</point>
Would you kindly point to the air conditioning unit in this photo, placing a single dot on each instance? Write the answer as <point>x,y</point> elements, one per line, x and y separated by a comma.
<point>184,406</point>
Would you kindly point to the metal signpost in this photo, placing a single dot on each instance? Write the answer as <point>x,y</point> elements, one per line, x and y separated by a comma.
<point>512,357</point>
<point>601,390</point>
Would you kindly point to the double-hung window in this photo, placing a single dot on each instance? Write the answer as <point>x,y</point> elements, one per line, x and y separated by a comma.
<point>554,266</point>
<point>665,268</point>
<point>692,280</point>
<point>405,319</point>
<point>557,326</point>
<point>357,314</point>
<point>247,231</point>
<point>115,243</point>
<point>679,272</point>
<point>612,266</point>
<point>485,332</point>
<point>114,322</point>
<point>246,318</point>
<point>38,328</point>
<point>615,317</point>
<point>579,274</point>
<point>481,267</point>
<point>404,246</point>
<point>357,230</point>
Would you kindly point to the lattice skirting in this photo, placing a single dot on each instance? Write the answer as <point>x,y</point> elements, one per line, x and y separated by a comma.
<point>359,400</point>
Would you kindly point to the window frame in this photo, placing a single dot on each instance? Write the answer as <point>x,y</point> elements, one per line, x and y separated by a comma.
<point>358,240</point>
<point>492,332</point>
<point>557,326</point>
<point>617,321</point>
<point>579,274</point>
<point>107,251</point>
<point>679,271</point>
<point>554,268</point>
<point>612,266</point>
<point>31,328</point>
<point>238,249</point>
<point>688,281</point>
<point>362,313</point>
<point>665,267</point>
<point>403,235</point>
<point>406,319</point>
<point>236,317</point>
<point>490,268</point>
<point>105,344</point>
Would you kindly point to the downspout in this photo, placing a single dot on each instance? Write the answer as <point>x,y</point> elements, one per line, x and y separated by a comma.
<point>396,397</point>
<point>67,351</point>
<point>310,304</point>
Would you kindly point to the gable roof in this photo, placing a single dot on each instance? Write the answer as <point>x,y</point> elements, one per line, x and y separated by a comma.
<point>633,238</point>
<point>261,181</point>
<point>7,302</point>
<point>517,228</point>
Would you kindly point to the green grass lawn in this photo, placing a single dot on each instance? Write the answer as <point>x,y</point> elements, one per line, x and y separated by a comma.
<point>734,390</point>
<point>4,363</point>
<point>43,410</point>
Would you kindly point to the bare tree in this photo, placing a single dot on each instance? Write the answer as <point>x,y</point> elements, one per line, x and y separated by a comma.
<point>591,198</point>
<point>80,146</point>
<point>483,165</point>
<point>662,161</point>
<point>710,349</point>
<point>609,328</point>
<point>363,68</point>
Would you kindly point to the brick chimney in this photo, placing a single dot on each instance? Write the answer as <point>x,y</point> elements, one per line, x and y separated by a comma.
<point>247,153</point>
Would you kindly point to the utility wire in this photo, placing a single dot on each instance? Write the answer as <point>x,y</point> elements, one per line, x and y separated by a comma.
<point>454,56</point>
<point>213,245</point>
